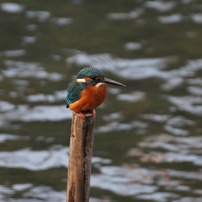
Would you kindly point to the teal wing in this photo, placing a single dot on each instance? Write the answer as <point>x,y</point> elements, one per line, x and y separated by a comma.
<point>73,92</point>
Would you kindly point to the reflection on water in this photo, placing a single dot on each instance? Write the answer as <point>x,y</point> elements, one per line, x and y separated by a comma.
<point>12,7</point>
<point>16,69</point>
<point>148,143</point>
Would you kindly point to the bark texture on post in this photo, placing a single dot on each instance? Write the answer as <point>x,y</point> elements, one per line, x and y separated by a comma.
<point>80,156</point>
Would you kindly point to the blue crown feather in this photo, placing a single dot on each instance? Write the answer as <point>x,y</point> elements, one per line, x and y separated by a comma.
<point>90,72</point>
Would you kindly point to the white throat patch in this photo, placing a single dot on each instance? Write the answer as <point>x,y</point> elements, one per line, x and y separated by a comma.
<point>99,84</point>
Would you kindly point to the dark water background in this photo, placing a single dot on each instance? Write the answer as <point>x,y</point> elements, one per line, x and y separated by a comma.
<point>148,136</point>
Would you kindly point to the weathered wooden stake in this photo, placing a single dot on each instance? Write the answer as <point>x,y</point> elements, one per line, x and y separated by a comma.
<point>80,156</point>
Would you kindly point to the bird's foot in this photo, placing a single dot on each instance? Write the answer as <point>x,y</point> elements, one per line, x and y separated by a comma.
<point>82,115</point>
<point>92,112</point>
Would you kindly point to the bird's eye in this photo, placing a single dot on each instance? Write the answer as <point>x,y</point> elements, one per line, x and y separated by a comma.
<point>93,78</point>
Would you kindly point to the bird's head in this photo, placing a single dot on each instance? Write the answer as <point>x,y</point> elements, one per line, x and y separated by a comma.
<point>94,77</point>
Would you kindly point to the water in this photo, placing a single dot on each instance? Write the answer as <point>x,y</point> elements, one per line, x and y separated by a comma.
<point>148,144</point>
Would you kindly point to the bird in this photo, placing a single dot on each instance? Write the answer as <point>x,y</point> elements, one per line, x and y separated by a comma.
<point>88,91</point>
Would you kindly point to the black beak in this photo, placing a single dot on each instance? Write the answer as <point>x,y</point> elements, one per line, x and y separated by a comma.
<point>110,81</point>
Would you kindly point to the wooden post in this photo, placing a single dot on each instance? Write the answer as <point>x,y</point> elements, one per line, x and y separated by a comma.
<point>80,156</point>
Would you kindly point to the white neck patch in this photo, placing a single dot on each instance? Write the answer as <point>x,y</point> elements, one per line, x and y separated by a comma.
<point>80,80</point>
<point>83,81</point>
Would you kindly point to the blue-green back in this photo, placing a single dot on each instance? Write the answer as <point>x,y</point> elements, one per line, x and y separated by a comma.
<point>73,92</point>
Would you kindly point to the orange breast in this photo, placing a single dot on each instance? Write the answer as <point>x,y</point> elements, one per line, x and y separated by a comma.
<point>91,98</point>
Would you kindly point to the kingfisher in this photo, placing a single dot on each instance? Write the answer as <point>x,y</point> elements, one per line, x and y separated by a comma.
<point>88,91</point>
